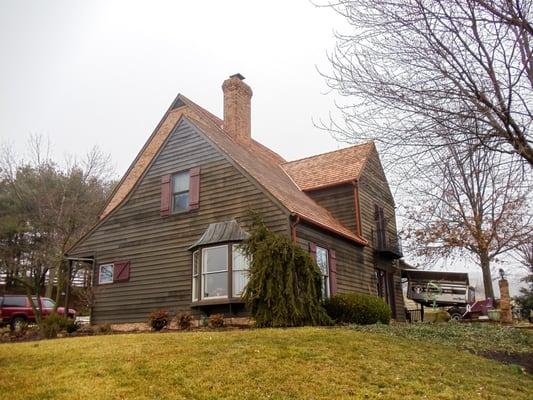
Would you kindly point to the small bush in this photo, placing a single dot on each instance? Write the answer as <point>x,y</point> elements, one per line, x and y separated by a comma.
<point>159,319</point>
<point>355,308</point>
<point>72,326</point>
<point>104,329</point>
<point>436,316</point>
<point>184,321</point>
<point>216,321</point>
<point>55,323</point>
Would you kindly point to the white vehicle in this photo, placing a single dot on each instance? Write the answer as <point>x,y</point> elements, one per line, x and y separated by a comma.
<point>442,289</point>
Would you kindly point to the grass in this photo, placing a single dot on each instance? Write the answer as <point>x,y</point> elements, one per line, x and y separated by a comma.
<point>302,363</point>
<point>476,338</point>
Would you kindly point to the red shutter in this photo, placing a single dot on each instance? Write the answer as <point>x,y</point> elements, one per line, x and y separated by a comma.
<point>165,195</point>
<point>194,188</point>
<point>332,272</point>
<point>121,271</point>
<point>312,250</point>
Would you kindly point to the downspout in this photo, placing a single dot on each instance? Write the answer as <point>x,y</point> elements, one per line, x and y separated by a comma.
<point>357,208</point>
<point>293,227</point>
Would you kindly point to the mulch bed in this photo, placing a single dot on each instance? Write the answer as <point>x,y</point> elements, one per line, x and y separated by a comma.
<point>524,360</point>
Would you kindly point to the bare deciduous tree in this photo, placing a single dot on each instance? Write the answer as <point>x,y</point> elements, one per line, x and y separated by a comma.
<point>43,210</point>
<point>414,70</point>
<point>471,202</point>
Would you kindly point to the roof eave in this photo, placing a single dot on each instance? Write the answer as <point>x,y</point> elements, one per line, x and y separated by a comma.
<point>353,238</point>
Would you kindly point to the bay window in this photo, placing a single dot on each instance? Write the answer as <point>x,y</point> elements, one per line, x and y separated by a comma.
<point>239,270</point>
<point>219,272</point>
<point>215,272</point>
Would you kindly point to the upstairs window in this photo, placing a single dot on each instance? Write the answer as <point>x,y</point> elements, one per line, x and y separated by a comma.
<point>180,191</point>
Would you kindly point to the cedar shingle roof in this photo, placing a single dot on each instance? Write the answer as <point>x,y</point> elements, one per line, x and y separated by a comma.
<point>329,169</point>
<point>261,163</point>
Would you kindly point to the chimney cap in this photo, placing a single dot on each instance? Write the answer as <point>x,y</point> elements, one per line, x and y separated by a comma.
<point>238,75</point>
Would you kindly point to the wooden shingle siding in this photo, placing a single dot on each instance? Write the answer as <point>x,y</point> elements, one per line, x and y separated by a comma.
<point>156,246</point>
<point>339,200</point>
<point>353,273</point>
<point>374,189</point>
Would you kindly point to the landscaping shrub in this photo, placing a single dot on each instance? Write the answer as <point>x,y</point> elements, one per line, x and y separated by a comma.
<point>355,308</point>
<point>436,316</point>
<point>184,321</point>
<point>159,319</point>
<point>284,286</point>
<point>104,329</point>
<point>55,323</point>
<point>216,320</point>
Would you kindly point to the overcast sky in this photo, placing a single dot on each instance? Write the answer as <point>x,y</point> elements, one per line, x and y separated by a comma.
<point>103,73</point>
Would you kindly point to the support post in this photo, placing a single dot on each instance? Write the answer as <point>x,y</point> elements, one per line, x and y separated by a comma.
<point>67,294</point>
<point>506,316</point>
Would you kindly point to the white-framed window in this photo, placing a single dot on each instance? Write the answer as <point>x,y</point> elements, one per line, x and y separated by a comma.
<point>195,274</point>
<point>215,272</point>
<point>219,272</point>
<point>322,260</point>
<point>240,267</point>
<point>105,273</point>
<point>180,191</point>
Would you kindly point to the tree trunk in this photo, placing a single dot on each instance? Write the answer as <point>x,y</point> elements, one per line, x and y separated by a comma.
<point>487,278</point>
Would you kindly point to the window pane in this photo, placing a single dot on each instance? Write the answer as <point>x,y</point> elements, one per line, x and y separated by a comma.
<point>14,301</point>
<point>181,201</point>
<point>195,288</point>
<point>195,272</point>
<point>106,273</point>
<point>47,303</point>
<point>195,262</point>
<point>240,279</point>
<point>215,259</point>
<point>215,285</point>
<point>322,260</point>
<point>240,262</point>
<point>181,182</point>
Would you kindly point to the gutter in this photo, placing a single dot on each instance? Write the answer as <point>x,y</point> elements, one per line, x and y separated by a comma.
<point>357,208</point>
<point>293,226</point>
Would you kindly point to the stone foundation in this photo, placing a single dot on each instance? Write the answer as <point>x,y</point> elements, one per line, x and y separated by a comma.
<point>239,322</point>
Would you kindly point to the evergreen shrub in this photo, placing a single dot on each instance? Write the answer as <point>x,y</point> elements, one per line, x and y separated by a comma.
<point>284,287</point>
<point>355,308</point>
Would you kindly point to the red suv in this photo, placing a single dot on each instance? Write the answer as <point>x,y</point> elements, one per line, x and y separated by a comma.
<point>17,310</point>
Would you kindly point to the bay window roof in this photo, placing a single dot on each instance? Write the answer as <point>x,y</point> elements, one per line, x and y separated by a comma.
<point>221,232</point>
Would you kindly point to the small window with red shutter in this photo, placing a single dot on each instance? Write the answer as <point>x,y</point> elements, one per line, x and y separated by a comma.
<point>113,272</point>
<point>180,192</point>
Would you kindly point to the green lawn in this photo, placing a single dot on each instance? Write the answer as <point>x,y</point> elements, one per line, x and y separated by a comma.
<point>303,363</point>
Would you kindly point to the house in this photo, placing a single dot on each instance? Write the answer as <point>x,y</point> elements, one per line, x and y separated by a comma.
<point>168,235</point>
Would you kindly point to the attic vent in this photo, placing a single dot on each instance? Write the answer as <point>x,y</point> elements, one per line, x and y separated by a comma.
<point>239,76</point>
<point>177,103</point>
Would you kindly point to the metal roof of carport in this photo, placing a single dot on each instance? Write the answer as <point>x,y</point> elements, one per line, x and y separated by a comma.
<point>439,276</point>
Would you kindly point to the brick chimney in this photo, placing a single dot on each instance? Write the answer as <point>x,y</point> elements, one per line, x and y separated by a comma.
<point>237,110</point>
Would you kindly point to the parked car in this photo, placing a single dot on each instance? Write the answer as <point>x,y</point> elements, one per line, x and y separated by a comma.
<point>17,310</point>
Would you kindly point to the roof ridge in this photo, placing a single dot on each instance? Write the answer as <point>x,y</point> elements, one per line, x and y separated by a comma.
<point>370,142</point>
<point>310,218</point>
